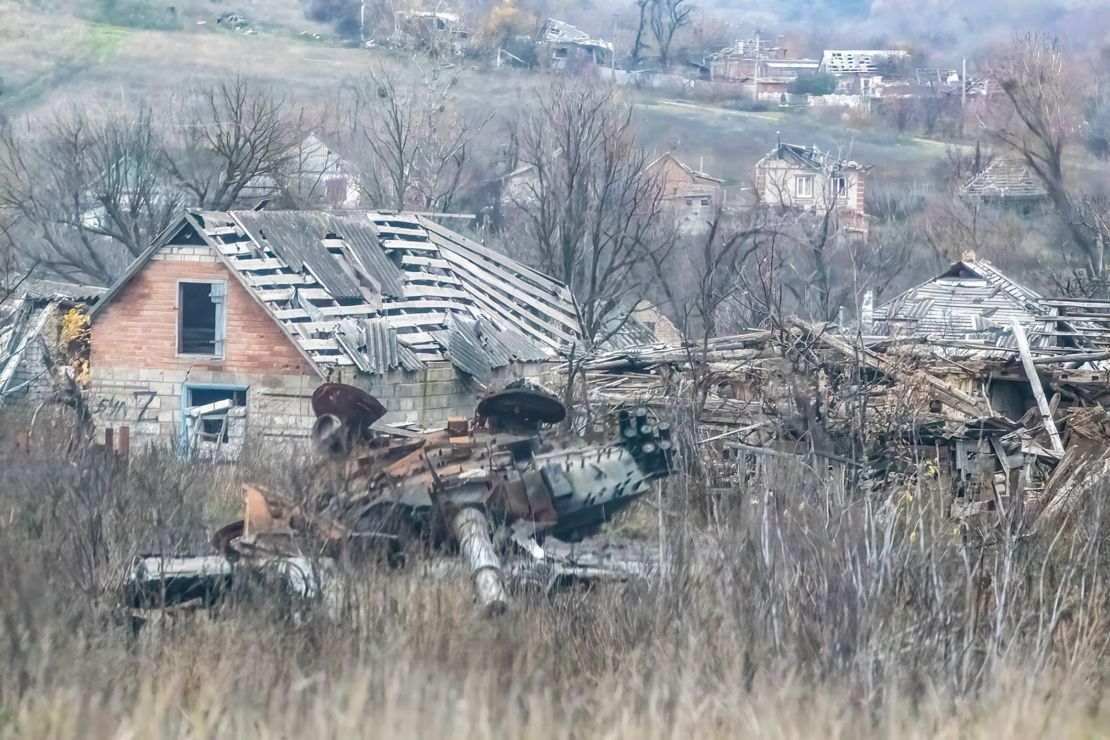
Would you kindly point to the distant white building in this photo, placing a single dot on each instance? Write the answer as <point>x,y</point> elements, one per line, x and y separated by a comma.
<point>312,174</point>
<point>859,61</point>
<point>566,43</point>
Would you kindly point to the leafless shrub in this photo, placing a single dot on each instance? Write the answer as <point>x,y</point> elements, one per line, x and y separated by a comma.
<point>799,581</point>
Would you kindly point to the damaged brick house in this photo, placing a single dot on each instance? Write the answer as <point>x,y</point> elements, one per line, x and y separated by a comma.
<point>1007,182</point>
<point>804,178</point>
<point>221,331</point>
<point>692,196</point>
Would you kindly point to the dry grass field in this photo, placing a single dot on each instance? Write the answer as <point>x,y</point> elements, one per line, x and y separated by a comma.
<point>793,609</point>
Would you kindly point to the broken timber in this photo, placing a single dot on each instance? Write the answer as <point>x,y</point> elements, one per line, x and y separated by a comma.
<point>957,399</point>
<point>1035,384</point>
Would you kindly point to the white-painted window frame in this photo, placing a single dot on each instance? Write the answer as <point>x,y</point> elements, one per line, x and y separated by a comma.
<point>804,192</point>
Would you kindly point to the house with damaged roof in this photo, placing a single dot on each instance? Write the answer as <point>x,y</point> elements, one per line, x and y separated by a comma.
<point>1007,181</point>
<point>222,330</point>
<point>691,196</point>
<point>983,331</point>
<point>39,321</point>
<point>564,45</point>
<point>806,179</point>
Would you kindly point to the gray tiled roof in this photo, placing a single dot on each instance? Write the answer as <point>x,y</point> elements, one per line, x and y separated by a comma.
<point>971,301</point>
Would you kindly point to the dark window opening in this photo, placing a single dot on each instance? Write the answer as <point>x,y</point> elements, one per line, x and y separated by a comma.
<point>200,328</point>
<point>208,412</point>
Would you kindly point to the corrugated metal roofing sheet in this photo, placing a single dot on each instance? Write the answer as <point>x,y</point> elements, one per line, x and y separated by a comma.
<point>442,296</point>
<point>46,289</point>
<point>360,239</point>
<point>973,302</point>
<point>297,237</point>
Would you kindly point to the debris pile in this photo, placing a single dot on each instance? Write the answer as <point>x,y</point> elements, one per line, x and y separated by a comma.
<point>1000,423</point>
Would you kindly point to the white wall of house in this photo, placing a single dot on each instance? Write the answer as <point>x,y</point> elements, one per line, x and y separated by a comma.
<point>789,185</point>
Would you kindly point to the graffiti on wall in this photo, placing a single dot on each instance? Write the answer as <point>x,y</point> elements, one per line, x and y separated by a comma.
<point>138,407</point>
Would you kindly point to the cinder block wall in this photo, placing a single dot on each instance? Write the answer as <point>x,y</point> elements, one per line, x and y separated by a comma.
<point>138,379</point>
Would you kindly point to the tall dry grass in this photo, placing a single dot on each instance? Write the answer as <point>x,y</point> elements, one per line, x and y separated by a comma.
<point>793,607</point>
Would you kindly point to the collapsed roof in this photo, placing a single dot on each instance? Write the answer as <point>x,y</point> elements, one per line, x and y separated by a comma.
<point>560,32</point>
<point>969,300</point>
<point>851,61</point>
<point>969,310</point>
<point>1005,177</point>
<point>377,291</point>
<point>24,313</point>
<point>810,157</point>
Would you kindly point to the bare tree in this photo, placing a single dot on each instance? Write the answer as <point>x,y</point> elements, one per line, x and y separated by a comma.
<point>662,19</point>
<point>666,18</point>
<point>413,139</point>
<point>590,205</point>
<point>86,190</point>
<point>705,271</point>
<point>1041,120</point>
<point>232,134</point>
<point>639,45</point>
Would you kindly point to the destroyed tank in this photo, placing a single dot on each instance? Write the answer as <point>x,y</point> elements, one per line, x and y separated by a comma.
<point>510,471</point>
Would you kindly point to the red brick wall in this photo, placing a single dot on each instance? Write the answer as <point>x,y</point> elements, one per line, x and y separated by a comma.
<point>138,329</point>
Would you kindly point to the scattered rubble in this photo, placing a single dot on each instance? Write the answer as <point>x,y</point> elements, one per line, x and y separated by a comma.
<point>1006,410</point>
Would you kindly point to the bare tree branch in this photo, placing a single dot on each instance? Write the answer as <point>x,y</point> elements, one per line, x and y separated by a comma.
<point>591,207</point>
<point>232,133</point>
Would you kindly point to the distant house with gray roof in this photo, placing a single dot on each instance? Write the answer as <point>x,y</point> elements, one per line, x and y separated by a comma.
<point>1006,181</point>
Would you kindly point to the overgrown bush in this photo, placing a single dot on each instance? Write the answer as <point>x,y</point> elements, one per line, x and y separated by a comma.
<point>818,84</point>
<point>794,605</point>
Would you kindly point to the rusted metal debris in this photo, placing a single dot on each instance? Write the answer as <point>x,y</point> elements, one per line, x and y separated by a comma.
<point>503,490</point>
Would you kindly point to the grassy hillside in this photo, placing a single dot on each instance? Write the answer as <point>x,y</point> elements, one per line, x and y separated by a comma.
<point>104,53</point>
<point>726,138</point>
